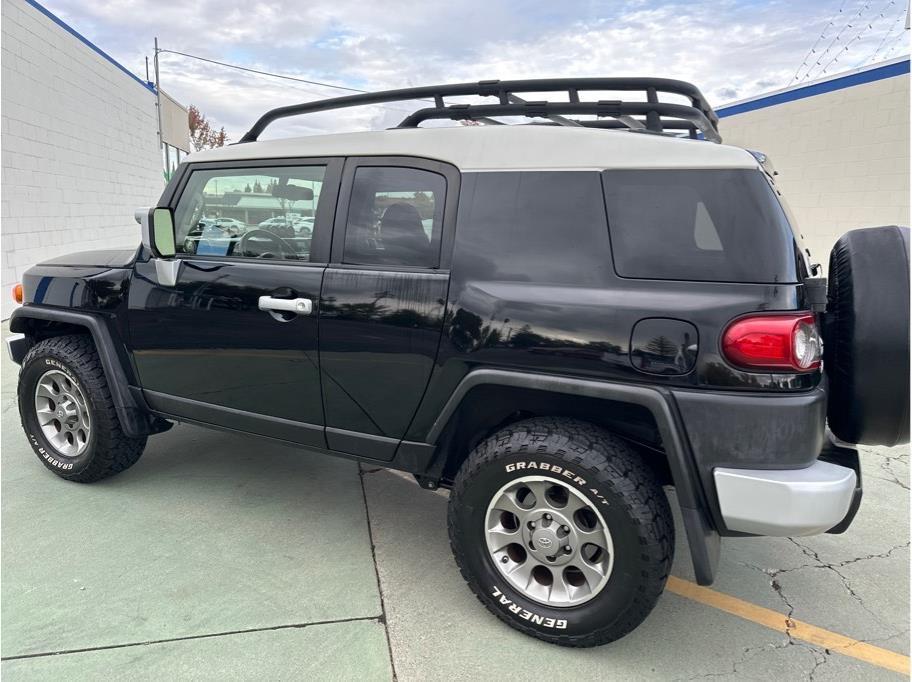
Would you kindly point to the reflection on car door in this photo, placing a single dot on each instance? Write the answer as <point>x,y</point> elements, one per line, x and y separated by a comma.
<point>206,351</point>
<point>383,299</point>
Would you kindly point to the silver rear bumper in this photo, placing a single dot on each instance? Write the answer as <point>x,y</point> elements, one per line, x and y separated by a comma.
<point>784,503</point>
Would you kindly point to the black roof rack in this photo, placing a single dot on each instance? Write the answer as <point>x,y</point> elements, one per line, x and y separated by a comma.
<point>650,115</point>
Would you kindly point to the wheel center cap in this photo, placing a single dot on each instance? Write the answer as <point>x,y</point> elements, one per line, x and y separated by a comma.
<point>546,541</point>
<point>67,411</point>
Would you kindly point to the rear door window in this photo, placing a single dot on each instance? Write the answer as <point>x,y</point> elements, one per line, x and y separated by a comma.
<point>395,217</point>
<point>701,225</point>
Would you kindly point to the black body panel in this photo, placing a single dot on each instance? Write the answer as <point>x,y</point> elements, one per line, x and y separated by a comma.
<point>104,258</point>
<point>750,431</point>
<point>206,341</point>
<point>545,305</point>
<point>379,332</point>
<point>380,326</point>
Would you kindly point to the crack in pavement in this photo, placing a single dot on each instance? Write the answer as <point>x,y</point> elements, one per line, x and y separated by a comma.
<point>886,467</point>
<point>373,547</point>
<point>186,638</point>
<point>807,551</point>
<point>775,585</point>
<point>821,656</point>
<point>746,655</point>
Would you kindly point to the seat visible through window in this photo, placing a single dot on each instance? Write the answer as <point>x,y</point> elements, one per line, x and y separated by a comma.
<point>402,234</point>
<point>395,217</point>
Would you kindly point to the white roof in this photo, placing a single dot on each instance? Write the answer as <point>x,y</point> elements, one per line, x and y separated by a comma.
<point>502,147</point>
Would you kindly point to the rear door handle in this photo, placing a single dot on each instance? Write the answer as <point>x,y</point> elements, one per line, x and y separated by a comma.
<point>299,306</point>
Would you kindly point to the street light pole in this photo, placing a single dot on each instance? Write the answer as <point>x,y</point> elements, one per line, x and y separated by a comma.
<point>158,109</point>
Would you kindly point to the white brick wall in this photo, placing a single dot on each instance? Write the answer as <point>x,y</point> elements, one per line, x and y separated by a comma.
<point>79,146</point>
<point>842,157</point>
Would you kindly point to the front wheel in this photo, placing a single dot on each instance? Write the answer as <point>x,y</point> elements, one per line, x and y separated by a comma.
<point>561,531</point>
<point>68,414</point>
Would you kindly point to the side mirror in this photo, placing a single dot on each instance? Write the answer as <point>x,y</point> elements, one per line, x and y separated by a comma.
<point>158,232</point>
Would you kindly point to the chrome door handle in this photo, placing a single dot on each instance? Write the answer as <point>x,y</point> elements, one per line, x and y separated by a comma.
<point>299,306</point>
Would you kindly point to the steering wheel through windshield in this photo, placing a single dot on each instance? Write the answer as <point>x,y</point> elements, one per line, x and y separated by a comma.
<point>282,246</point>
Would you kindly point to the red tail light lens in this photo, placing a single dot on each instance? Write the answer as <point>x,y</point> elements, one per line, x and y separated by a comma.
<point>773,342</point>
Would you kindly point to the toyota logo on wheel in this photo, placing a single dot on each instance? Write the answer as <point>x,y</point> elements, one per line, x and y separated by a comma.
<point>545,542</point>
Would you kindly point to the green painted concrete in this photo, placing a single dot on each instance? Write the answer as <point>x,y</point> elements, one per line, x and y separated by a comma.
<point>213,533</point>
<point>339,651</point>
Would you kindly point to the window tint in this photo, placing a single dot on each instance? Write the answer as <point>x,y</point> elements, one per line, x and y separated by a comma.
<point>546,226</point>
<point>395,217</point>
<point>249,213</point>
<point>709,225</point>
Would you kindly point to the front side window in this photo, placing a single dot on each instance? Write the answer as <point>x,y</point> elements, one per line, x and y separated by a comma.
<point>395,217</point>
<point>263,213</point>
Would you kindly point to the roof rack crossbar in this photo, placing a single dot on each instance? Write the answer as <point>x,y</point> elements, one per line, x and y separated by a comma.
<point>617,110</point>
<point>560,120</point>
<point>699,113</point>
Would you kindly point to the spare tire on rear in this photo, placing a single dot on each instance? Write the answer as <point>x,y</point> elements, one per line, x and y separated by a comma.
<point>866,336</point>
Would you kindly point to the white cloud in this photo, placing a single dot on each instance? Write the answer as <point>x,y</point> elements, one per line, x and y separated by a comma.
<point>730,49</point>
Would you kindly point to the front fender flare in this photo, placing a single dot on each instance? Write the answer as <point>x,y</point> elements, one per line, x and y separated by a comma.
<point>134,419</point>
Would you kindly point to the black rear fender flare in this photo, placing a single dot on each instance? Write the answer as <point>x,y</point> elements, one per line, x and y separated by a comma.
<point>702,537</point>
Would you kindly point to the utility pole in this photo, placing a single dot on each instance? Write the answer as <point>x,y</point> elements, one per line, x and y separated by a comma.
<point>158,108</point>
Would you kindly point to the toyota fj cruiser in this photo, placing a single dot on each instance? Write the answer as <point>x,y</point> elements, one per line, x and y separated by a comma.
<point>552,320</point>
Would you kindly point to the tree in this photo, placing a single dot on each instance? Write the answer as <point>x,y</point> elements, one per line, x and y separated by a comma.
<point>202,135</point>
<point>662,346</point>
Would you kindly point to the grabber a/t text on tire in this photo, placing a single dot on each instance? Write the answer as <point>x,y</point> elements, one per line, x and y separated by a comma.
<point>68,414</point>
<point>562,531</point>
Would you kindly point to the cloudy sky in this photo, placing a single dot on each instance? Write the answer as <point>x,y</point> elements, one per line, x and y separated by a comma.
<point>730,48</point>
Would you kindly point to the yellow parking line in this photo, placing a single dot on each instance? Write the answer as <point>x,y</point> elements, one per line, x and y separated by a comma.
<point>797,629</point>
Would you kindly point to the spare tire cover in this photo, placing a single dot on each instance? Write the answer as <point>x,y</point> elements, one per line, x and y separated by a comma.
<point>866,336</point>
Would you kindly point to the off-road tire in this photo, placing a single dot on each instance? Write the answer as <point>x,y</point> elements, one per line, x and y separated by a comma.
<point>866,336</point>
<point>614,477</point>
<point>109,451</point>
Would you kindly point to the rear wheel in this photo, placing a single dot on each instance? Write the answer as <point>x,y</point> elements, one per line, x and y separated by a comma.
<point>68,414</point>
<point>561,531</point>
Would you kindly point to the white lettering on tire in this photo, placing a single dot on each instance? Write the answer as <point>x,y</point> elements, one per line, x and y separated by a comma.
<point>48,457</point>
<point>534,618</point>
<point>555,469</point>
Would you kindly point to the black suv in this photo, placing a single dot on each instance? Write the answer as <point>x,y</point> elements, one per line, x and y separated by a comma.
<point>553,320</point>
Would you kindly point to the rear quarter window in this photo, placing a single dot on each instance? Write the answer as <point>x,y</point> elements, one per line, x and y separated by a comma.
<point>542,226</point>
<point>700,225</point>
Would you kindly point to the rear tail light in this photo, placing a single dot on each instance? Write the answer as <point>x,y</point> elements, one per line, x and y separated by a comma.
<point>17,293</point>
<point>773,342</point>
